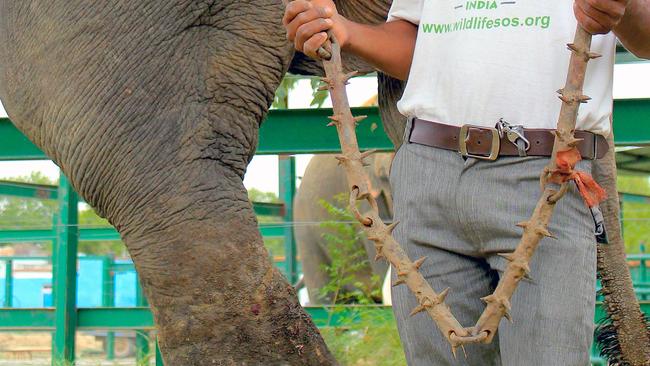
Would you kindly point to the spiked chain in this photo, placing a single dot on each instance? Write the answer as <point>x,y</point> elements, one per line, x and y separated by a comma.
<point>352,160</point>
<point>498,304</point>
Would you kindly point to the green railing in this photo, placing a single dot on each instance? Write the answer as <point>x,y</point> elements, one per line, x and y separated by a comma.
<point>284,132</point>
<point>65,235</point>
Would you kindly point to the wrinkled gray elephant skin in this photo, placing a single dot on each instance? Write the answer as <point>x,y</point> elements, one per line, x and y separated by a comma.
<point>152,109</point>
<point>325,179</point>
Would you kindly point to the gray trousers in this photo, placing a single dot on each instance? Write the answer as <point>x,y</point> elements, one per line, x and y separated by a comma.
<point>460,213</point>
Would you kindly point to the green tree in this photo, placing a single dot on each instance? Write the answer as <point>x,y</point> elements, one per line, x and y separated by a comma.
<point>347,257</point>
<point>281,99</point>
<point>255,195</point>
<point>17,213</point>
<point>636,215</point>
<point>25,213</point>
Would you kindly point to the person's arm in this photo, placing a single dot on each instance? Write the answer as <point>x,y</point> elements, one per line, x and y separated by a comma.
<point>634,28</point>
<point>629,19</point>
<point>387,46</point>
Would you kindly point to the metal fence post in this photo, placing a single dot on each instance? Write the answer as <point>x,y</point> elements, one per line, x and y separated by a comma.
<point>159,359</point>
<point>9,283</point>
<point>108,300</point>
<point>621,217</point>
<point>643,270</point>
<point>287,181</point>
<point>141,336</point>
<point>65,280</point>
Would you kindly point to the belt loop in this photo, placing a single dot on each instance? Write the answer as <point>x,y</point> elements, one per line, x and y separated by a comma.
<point>595,142</point>
<point>407,130</point>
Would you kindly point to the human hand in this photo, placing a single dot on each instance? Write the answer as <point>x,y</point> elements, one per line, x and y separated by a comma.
<point>599,16</point>
<point>307,23</point>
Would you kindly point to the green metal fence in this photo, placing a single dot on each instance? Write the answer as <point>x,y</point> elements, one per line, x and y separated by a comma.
<point>284,132</point>
<point>65,235</point>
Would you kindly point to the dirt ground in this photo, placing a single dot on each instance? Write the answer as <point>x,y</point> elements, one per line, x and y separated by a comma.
<point>33,349</point>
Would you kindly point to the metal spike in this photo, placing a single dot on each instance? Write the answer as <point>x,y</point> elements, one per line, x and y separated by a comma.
<point>350,75</point>
<point>593,55</point>
<point>418,263</point>
<point>335,117</point>
<point>443,295</point>
<point>506,304</point>
<point>573,47</point>
<point>453,352</point>
<point>583,98</point>
<point>392,226</point>
<point>326,80</point>
<point>403,273</point>
<point>358,119</point>
<point>417,309</point>
<point>323,87</point>
<point>560,91</point>
<point>544,232</point>
<point>342,159</point>
<point>574,142</point>
<point>506,256</point>
<point>399,281</point>
<point>365,154</point>
<point>523,224</point>
<point>508,316</point>
<point>374,238</point>
<point>379,248</point>
<point>565,99</point>
<point>488,299</point>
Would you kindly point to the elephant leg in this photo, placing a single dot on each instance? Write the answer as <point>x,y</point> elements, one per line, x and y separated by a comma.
<point>215,296</point>
<point>152,110</point>
<point>313,258</point>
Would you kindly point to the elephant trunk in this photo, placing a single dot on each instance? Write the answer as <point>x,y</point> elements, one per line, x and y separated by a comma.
<point>627,338</point>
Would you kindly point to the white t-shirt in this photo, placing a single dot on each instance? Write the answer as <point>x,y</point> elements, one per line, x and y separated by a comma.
<point>478,61</point>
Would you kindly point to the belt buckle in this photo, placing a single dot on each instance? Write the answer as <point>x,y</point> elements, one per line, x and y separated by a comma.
<point>494,149</point>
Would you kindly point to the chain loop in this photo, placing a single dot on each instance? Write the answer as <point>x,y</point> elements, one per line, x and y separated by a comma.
<point>354,198</point>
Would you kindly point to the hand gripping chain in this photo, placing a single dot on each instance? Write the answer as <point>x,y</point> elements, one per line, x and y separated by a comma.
<point>557,171</point>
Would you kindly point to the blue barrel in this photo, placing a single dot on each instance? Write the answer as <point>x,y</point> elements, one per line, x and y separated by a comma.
<point>46,291</point>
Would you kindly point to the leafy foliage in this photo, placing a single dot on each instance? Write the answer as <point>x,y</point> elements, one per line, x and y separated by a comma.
<point>17,213</point>
<point>255,195</point>
<point>636,215</point>
<point>369,337</point>
<point>319,95</point>
<point>281,99</point>
<point>347,257</point>
<point>21,213</point>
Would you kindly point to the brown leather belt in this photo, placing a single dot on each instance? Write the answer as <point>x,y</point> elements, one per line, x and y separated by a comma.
<point>486,142</point>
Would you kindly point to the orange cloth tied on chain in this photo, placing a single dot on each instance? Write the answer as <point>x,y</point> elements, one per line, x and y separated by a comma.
<point>566,161</point>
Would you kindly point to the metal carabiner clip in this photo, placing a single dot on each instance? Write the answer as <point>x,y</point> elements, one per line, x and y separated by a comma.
<point>515,134</point>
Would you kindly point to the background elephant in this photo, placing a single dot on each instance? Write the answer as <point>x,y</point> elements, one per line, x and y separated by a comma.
<point>151,109</point>
<point>325,179</point>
